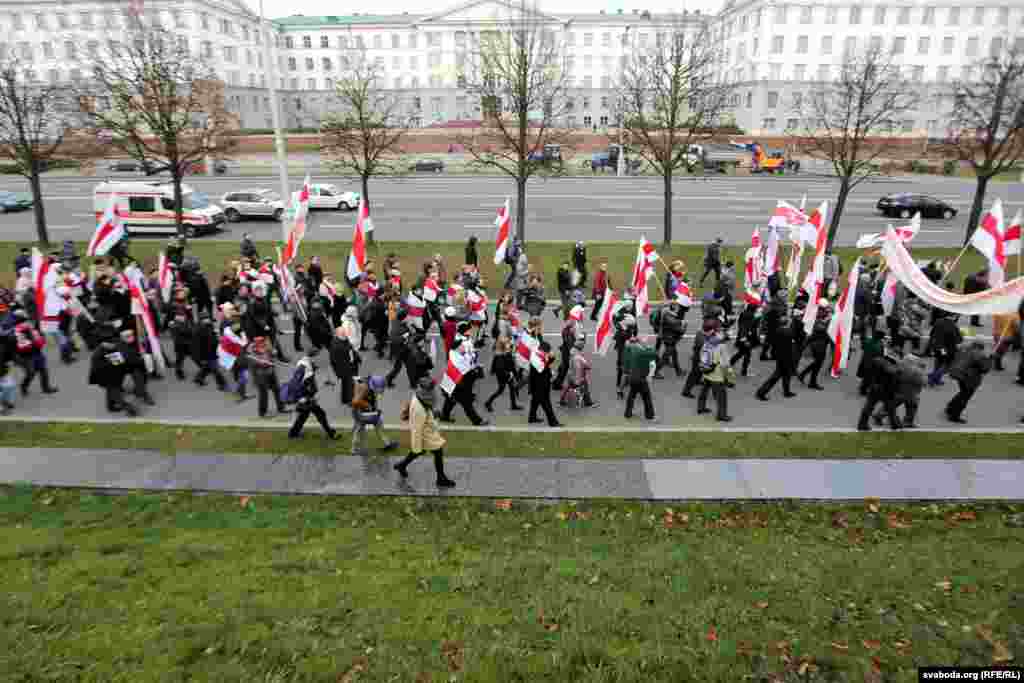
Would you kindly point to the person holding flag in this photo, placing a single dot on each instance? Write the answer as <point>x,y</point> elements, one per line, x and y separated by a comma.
<point>357,255</point>
<point>457,384</point>
<point>643,269</point>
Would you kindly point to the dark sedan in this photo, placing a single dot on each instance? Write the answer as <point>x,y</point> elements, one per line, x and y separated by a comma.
<point>430,165</point>
<point>905,205</point>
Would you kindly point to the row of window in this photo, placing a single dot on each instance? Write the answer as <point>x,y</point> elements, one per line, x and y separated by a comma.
<point>795,124</point>
<point>880,16</point>
<point>433,39</point>
<point>111,19</point>
<point>898,46</point>
<point>824,72</point>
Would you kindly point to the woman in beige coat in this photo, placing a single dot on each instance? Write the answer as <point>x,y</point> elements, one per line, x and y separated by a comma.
<point>424,434</point>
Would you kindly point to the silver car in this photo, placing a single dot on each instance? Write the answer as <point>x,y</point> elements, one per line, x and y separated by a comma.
<point>252,204</point>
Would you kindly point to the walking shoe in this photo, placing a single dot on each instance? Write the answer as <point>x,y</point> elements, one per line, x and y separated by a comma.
<point>592,404</point>
<point>50,390</point>
<point>515,407</point>
<point>555,425</point>
<point>727,418</point>
<point>389,445</point>
<point>760,397</point>
<point>790,395</point>
<point>957,419</point>
<point>687,394</point>
<point>534,420</point>
<point>334,436</point>
<point>180,375</point>
<point>658,375</point>
<point>816,387</point>
<point>445,483</point>
<point>400,467</point>
<point>482,423</point>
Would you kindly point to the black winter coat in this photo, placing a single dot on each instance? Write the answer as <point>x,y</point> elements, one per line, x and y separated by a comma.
<point>204,343</point>
<point>319,329</point>
<point>108,366</point>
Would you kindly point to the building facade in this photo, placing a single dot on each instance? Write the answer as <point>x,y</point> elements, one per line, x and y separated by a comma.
<point>773,51</point>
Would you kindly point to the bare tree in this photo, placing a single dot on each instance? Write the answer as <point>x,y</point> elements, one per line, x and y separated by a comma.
<point>35,119</point>
<point>987,122</point>
<point>667,95</point>
<point>365,136</point>
<point>843,119</point>
<point>518,72</point>
<point>158,102</point>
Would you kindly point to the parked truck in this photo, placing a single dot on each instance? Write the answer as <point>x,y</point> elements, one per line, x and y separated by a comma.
<point>763,160</point>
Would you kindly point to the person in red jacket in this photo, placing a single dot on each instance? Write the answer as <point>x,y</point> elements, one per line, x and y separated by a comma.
<point>602,283</point>
<point>448,329</point>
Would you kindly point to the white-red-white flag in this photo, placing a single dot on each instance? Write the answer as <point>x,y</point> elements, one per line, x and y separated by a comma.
<point>1011,238</point>
<point>786,215</point>
<point>431,289</point>
<point>165,277</point>
<point>526,347</point>
<point>840,328</point>
<point>643,269</point>
<point>357,256</point>
<point>605,326</point>
<point>889,293</point>
<point>684,295</point>
<point>772,254</point>
<point>476,302</point>
<point>755,238</point>
<point>297,230</point>
<point>231,346</point>
<point>109,232</point>
<point>415,307</point>
<point>458,365</point>
<point>989,240</point>
<point>44,280</point>
<point>504,222</point>
<point>814,283</point>
<point>140,304</point>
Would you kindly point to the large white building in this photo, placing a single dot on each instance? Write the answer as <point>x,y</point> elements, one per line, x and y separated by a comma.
<point>773,50</point>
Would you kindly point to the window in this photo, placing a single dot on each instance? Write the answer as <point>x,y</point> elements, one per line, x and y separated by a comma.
<point>204,21</point>
<point>307,42</point>
<point>289,42</point>
<point>1004,16</point>
<point>947,45</point>
<point>248,57</point>
<point>606,62</point>
<point>379,62</point>
<point>412,41</point>
<point>207,49</point>
<point>310,84</point>
<point>643,40</point>
<point>972,46</point>
<point>229,53</point>
<point>907,125</point>
<point>806,15</point>
<point>778,43</point>
<point>904,16</point>
<point>329,83</point>
<point>855,15</point>
<point>775,71</point>
<point>768,123</point>
<point>965,73</point>
<point>606,82</point>
<point>603,120</point>
<point>396,63</point>
<point>780,14</point>
<point>791,124</point>
<point>588,121</point>
<point>292,66</point>
<point>48,50</point>
<point>741,52</point>
<point>756,47</point>
<point>53,75</point>
<point>25,51</point>
<point>70,50</point>
<point>85,19</point>
<point>995,48</point>
<point>826,45</point>
<point>831,15</point>
<point>588,82</point>
<point>415,83</point>
<point>923,45</point>
<point>953,19</point>
<point>773,100</point>
<point>1018,44</point>
<point>879,16</point>
<point>41,22</point>
<point>799,72</point>
<point>142,204</point>
<point>259,59</point>
<point>979,16</point>
<point>327,64</point>
<point>823,72</point>
<point>606,40</point>
<point>625,40</point>
<point>929,16</point>
<point>460,39</point>
<point>750,100</point>
<point>899,45</point>
<point>433,40</point>
<point>414,62</point>
<point>179,21</point>
<point>875,43</point>
<point>942,74</point>
<point>801,45</point>
<point>757,19</point>
<point>588,62</point>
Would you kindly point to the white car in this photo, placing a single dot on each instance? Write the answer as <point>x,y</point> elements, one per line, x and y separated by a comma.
<point>252,204</point>
<point>331,197</point>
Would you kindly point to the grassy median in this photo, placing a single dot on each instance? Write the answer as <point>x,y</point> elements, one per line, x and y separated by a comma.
<point>173,587</point>
<point>169,439</point>
<point>545,257</point>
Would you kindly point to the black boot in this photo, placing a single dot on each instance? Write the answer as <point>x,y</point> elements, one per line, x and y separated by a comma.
<point>442,480</point>
<point>48,388</point>
<point>403,466</point>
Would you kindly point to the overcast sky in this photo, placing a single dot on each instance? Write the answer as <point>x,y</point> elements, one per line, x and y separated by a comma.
<point>284,8</point>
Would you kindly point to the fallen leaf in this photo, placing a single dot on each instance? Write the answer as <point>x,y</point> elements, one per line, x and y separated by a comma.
<point>593,580</point>
<point>47,501</point>
<point>1000,653</point>
<point>876,664</point>
<point>244,501</point>
<point>761,605</point>
<point>842,647</point>
<point>806,665</point>
<point>945,585</point>
<point>781,647</point>
<point>712,635</point>
<point>505,504</point>
<point>744,648</point>
<point>562,516</point>
<point>358,667</point>
<point>901,646</point>
<point>963,516</point>
<point>894,521</point>
<point>873,504</point>
<point>871,644</point>
<point>968,589</point>
<point>840,521</point>
<point>454,654</point>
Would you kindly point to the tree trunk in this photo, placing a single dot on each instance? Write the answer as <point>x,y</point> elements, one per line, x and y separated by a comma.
<point>521,210</point>
<point>977,206</point>
<point>366,198</point>
<point>668,207</point>
<point>176,180</point>
<point>837,212</point>
<point>38,209</point>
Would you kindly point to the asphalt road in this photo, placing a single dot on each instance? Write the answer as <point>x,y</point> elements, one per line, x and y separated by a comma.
<point>592,209</point>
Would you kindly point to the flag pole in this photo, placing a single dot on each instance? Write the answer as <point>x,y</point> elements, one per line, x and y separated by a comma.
<point>957,259</point>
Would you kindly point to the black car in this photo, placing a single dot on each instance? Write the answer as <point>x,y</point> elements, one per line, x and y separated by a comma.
<point>905,205</point>
<point>431,165</point>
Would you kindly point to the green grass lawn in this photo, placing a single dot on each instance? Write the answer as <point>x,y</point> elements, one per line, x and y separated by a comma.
<point>712,444</point>
<point>174,587</point>
<point>545,257</point>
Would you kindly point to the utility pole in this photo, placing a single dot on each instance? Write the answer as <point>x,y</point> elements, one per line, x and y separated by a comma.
<point>270,55</point>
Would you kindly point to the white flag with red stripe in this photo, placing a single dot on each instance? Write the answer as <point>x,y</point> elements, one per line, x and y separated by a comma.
<point>605,325</point>
<point>109,232</point>
<point>787,216</point>
<point>989,240</point>
<point>889,293</point>
<point>772,254</point>
<point>504,222</point>
<point>141,304</point>
<point>458,365</point>
<point>415,306</point>
<point>840,328</point>
<point>231,346</point>
<point>357,256</point>
<point>815,281</point>
<point>526,348</point>
<point>297,230</point>
<point>643,269</point>
<point>752,297</point>
<point>684,295</point>
<point>476,302</point>
<point>1011,238</point>
<point>431,289</point>
<point>165,277</point>
<point>44,280</point>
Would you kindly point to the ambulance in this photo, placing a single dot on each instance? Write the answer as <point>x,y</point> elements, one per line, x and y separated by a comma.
<point>148,208</point>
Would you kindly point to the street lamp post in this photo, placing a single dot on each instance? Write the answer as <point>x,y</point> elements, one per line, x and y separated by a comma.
<point>270,56</point>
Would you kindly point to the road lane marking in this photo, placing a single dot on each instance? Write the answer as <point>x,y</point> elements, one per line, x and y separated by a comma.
<point>633,227</point>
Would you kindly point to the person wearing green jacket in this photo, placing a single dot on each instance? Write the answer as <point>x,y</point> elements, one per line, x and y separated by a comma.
<point>717,372</point>
<point>639,361</point>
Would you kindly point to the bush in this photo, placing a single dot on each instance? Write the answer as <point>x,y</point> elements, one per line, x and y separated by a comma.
<point>950,167</point>
<point>917,166</point>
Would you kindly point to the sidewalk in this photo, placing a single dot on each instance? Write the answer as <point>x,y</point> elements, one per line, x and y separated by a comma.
<point>514,477</point>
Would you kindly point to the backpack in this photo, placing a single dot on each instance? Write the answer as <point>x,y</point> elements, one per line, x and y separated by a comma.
<point>292,391</point>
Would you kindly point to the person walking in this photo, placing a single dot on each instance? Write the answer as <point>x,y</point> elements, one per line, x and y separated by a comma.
<point>307,404</point>
<point>882,389</point>
<point>107,370</point>
<point>718,374</point>
<point>540,385</point>
<point>366,413</point>
<point>968,369</point>
<point>747,337</point>
<point>694,377</point>
<point>462,393</point>
<point>423,432</point>
<point>974,283</point>
<point>503,367</point>
<point>671,328</point>
<point>818,343</point>
<point>713,261</point>
<point>472,258</point>
<point>602,283</point>
<point>572,328</point>
<point>345,362</point>
<point>264,375</point>
<point>580,376</point>
<point>944,341</point>
<point>31,355</point>
<point>640,361</point>
<point>782,351</point>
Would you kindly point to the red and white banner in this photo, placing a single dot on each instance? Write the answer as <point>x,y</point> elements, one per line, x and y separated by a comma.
<point>772,254</point>
<point>44,280</point>
<point>989,240</point>
<point>415,306</point>
<point>453,291</point>
<point>889,293</point>
<point>357,257</point>
<point>1011,238</point>
<point>140,305</point>
<point>643,269</point>
<point>231,347</point>
<point>752,297</point>
<point>815,281</point>
<point>840,328</point>
<point>458,365</point>
<point>284,276</point>
<point>504,222</point>
<point>109,232</point>
<point>907,233</point>
<point>297,230</point>
<point>605,326</point>
<point>526,348</point>
<point>165,277</point>
<point>999,300</point>
<point>431,289</point>
<point>684,295</point>
<point>787,216</point>
<point>476,302</point>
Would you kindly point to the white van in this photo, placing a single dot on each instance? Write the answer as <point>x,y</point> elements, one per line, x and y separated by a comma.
<point>148,207</point>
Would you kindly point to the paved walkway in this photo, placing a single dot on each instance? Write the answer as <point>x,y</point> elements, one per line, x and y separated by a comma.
<point>647,479</point>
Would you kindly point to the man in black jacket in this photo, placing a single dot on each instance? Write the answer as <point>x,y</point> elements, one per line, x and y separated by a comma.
<point>108,369</point>
<point>182,332</point>
<point>747,338</point>
<point>540,388</point>
<point>974,283</point>
<point>968,369</point>
<point>884,373</point>
<point>204,353</point>
<point>401,334</point>
<point>713,261</point>
<point>782,350</point>
<point>345,363</point>
<point>135,366</point>
<point>818,343</point>
<point>671,329</point>
<point>307,403</point>
<point>318,327</point>
<point>944,341</point>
